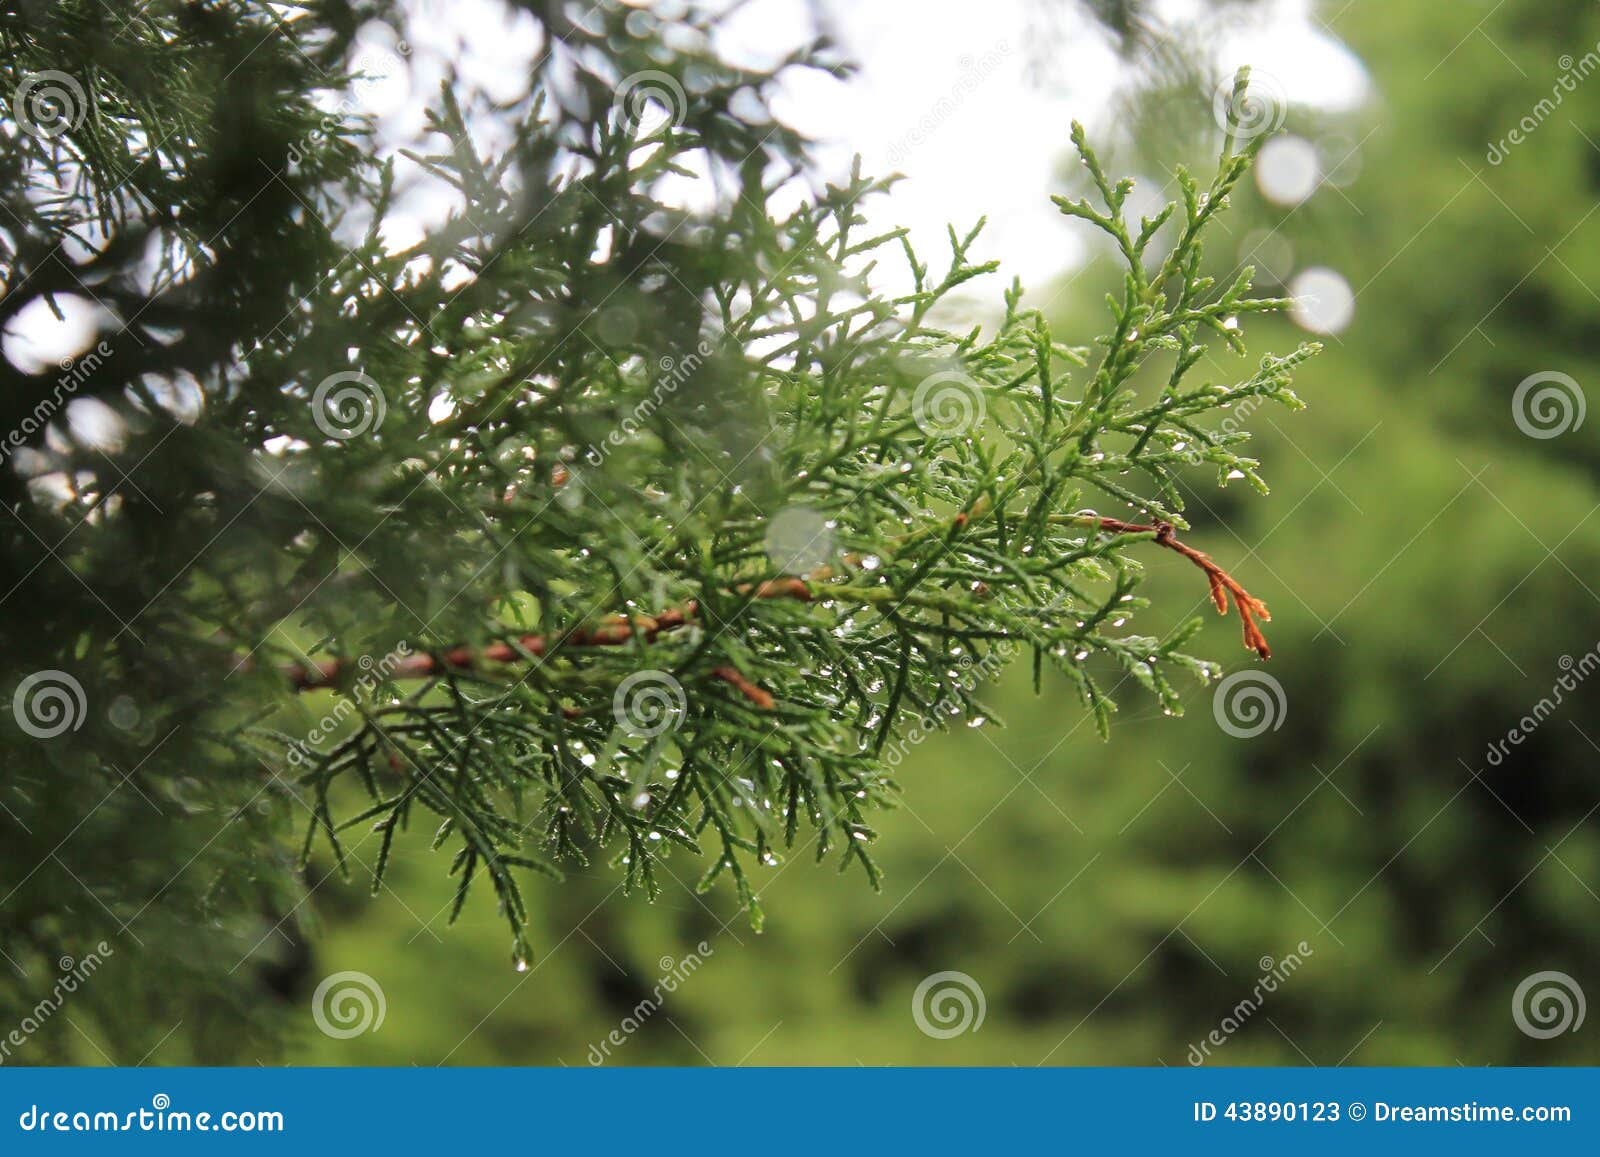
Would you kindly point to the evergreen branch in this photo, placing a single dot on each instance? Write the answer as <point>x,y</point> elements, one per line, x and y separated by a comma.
<point>1222,584</point>
<point>614,631</point>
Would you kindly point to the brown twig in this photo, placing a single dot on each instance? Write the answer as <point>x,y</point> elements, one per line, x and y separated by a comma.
<point>609,632</point>
<point>1222,583</point>
<point>758,695</point>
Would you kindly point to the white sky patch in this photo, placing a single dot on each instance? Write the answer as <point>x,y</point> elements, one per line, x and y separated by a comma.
<point>944,96</point>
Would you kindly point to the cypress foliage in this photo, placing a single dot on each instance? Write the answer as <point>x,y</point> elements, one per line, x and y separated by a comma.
<point>602,520</point>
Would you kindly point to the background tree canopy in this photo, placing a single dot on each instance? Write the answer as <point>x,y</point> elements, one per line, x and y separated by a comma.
<point>529,457</point>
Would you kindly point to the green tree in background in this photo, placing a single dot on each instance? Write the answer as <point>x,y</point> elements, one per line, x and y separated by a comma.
<point>601,525</point>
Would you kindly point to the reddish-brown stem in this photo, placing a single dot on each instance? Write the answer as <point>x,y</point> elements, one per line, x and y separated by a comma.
<point>758,695</point>
<point>609,632</point>
<point>1222,583</point>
